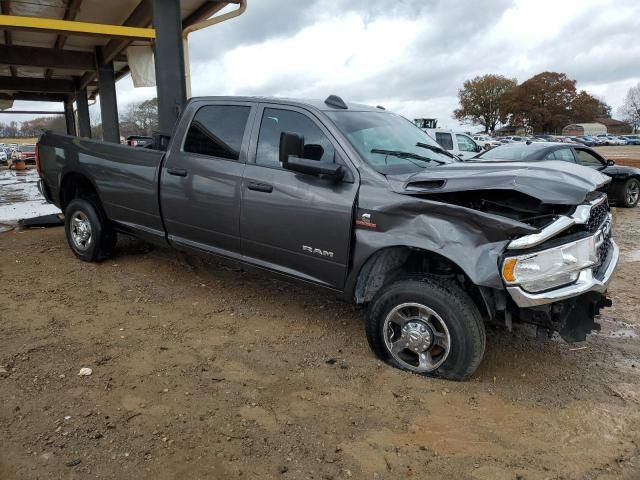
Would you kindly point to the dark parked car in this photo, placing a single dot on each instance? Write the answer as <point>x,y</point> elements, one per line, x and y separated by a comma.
<point>141,141</point>
<point>360,201</point>
<point>623,191</point>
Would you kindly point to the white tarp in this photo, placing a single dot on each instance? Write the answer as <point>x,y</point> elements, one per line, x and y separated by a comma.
<point>142,67</point>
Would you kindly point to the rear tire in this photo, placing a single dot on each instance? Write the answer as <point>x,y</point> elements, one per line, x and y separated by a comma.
<point>88,232</point>
<point>428,327</point>
<point>630,193</point>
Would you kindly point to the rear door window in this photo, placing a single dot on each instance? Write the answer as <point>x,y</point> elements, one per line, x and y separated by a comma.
<point>445,140</point>
<point>217,131</point>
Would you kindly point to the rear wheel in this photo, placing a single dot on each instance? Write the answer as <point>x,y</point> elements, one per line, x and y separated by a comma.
<point>88,233</point>
<point>427,327</point>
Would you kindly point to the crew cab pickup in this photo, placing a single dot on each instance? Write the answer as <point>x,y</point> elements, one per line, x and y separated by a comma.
<point>359,201</point>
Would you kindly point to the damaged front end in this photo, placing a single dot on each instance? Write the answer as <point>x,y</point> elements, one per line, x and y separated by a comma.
<point>554,276</point>
<point>573,318</point>
<point>557,279</point>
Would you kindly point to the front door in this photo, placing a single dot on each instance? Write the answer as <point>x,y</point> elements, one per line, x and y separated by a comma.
<point>291,222</point>
<point>467,147</point>
<point>201,182</point>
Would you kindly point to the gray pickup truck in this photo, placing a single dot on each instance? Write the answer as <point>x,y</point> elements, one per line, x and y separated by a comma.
<point>359,201</point>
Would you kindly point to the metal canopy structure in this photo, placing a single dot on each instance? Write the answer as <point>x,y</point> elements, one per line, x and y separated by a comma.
<point>74,50</point>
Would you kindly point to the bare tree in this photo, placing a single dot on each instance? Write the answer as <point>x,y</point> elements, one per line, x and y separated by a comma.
<point>630,109</point>
<point>140,118</point>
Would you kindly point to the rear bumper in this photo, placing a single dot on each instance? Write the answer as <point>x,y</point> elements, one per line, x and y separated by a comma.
<point>587,282</point>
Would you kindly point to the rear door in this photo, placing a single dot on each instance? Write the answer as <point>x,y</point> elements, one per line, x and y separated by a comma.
<point>445,140</point>
<point>201,181</point>
<point>297,223</point>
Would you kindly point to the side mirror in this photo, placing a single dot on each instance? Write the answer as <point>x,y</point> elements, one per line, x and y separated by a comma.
<point>478,148</point>
<point>610,163</point>
<point>293,150</point>
<point>313,167</point>
<point>291,145</point>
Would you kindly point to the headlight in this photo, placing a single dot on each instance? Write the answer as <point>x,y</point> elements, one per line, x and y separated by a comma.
<point>550,268</point>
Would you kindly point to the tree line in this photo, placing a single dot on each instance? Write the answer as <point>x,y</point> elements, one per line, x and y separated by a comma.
<point>544,103</point>
<point>137,118</point>
<point>32,128</point>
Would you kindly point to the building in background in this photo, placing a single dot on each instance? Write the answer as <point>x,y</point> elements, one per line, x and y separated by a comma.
<point>600,127</point>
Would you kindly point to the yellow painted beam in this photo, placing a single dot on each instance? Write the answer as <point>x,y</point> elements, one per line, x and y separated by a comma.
<point>68,27</point>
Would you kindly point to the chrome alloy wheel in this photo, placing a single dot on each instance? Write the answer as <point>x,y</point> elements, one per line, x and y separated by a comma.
<point>632,193</point>
<point>81,231</point>
<point>416,337</point>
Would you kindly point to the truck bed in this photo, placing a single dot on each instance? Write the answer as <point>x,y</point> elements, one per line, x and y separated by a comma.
<point>126,178</point>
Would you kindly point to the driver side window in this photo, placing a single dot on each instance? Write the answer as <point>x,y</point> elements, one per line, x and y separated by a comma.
<point>465,144</point>
<point>588,159</point>
<point>275,121</point>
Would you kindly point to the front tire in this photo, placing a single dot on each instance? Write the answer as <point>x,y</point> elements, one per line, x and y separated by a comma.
<point>427,327</point>
<point>630,193</point>
<point>88,233</point>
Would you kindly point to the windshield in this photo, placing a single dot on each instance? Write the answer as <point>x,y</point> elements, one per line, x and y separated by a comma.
<point>510,152</point>
<point>28,148</point>
<point>390,143</point>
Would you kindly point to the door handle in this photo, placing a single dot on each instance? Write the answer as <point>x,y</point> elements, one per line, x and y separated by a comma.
<point>178,172</point>
<point>260,187</point>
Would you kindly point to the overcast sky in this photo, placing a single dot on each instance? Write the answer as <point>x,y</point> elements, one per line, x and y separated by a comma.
<point>411,56</point>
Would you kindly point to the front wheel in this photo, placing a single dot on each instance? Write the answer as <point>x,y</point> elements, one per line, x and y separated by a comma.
<point>427,327</point>
<point>630,193</point>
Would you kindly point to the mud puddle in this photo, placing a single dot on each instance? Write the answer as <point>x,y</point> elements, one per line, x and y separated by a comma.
<point>20,198</point>
<point>631,256</point>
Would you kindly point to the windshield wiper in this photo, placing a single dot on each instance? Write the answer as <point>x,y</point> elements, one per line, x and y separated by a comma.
<point>408,155</point>
<point>437,150</point>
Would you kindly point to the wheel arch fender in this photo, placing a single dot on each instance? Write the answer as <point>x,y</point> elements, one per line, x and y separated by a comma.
<point>394,262</point>
<point>76,183</point>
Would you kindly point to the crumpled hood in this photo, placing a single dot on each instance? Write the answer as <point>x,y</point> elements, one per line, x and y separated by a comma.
<point>552,182</point>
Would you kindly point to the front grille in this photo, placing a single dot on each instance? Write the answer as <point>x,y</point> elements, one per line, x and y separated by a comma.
<point>603,258</point>
<point>599,213</point>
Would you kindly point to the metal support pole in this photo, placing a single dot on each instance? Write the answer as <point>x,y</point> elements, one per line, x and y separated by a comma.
<point>169,62</point>
<point>108,101</point>
<point>69,118</point>
<point>84,123</point>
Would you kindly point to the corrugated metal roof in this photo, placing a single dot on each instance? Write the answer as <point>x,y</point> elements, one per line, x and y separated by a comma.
<point>112,12</point>
<point>611,122</point>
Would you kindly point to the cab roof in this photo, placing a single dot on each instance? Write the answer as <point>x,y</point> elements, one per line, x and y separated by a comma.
<point>314,103</point>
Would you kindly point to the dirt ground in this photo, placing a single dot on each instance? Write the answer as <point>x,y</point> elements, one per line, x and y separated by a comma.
<point>203,371</point>
<point>624,155</point>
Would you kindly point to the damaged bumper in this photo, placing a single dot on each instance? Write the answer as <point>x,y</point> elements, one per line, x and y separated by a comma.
<point>588,281</point>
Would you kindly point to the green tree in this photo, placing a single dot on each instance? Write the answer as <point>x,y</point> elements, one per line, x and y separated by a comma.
<point>482,101</point>
<point>543,103</point>
<point>587,108</point>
